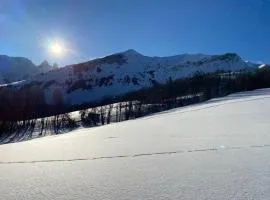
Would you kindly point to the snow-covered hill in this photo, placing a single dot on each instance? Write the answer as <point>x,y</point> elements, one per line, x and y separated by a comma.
<point>215,150</point>
<point>127,71</point>
<point>19,68</point>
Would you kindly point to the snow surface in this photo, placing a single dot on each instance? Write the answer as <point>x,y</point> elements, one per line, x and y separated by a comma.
<point>262,66</point>
<point>215,150</point>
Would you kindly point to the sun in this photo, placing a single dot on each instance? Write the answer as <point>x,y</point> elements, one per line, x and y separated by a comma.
<point>56,49</point>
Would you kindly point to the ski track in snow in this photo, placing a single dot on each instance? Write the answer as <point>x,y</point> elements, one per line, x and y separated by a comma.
<point>136,155</point>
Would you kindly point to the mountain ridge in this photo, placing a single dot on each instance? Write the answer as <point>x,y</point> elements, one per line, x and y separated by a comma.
<point>14,69</point>
<point>124,72</point>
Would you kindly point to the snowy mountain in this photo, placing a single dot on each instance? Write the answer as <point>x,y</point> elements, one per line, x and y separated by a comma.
<point>120,73</point>
<point>45,67</point>
<point>127,71</point>
<point>15,68</point>
<point>19,68</point>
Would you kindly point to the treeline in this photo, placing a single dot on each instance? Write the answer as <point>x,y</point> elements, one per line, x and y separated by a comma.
<point>14,131</point>
<point>26,102</point>
<point>208,85</point>
<point>127,110</point>
<point>24,112</point>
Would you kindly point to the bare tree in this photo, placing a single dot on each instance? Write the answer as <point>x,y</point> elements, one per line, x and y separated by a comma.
<point>109,108</point>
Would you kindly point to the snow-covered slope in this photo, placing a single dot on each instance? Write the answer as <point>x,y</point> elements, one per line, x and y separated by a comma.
<point>215,150</point>
<point>127,71</point>
<point>19,68</point>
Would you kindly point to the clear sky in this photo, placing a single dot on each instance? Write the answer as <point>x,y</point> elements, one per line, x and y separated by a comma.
<point>94,28</point>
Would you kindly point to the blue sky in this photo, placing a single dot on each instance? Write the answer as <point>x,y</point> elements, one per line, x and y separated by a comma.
<point>94,28</point>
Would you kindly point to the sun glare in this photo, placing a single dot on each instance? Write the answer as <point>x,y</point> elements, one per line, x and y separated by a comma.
<point>56,49</point>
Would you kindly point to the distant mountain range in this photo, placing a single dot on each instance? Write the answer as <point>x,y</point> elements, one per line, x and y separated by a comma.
<point>19,68</point>
<point>113,75</point>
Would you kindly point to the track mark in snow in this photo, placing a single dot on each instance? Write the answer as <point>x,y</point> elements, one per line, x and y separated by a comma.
<point>134,155</point>
<point>111,137</point>
<point>197,150</point>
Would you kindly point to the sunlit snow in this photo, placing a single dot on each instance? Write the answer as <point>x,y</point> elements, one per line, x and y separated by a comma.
<point>215,150</point>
